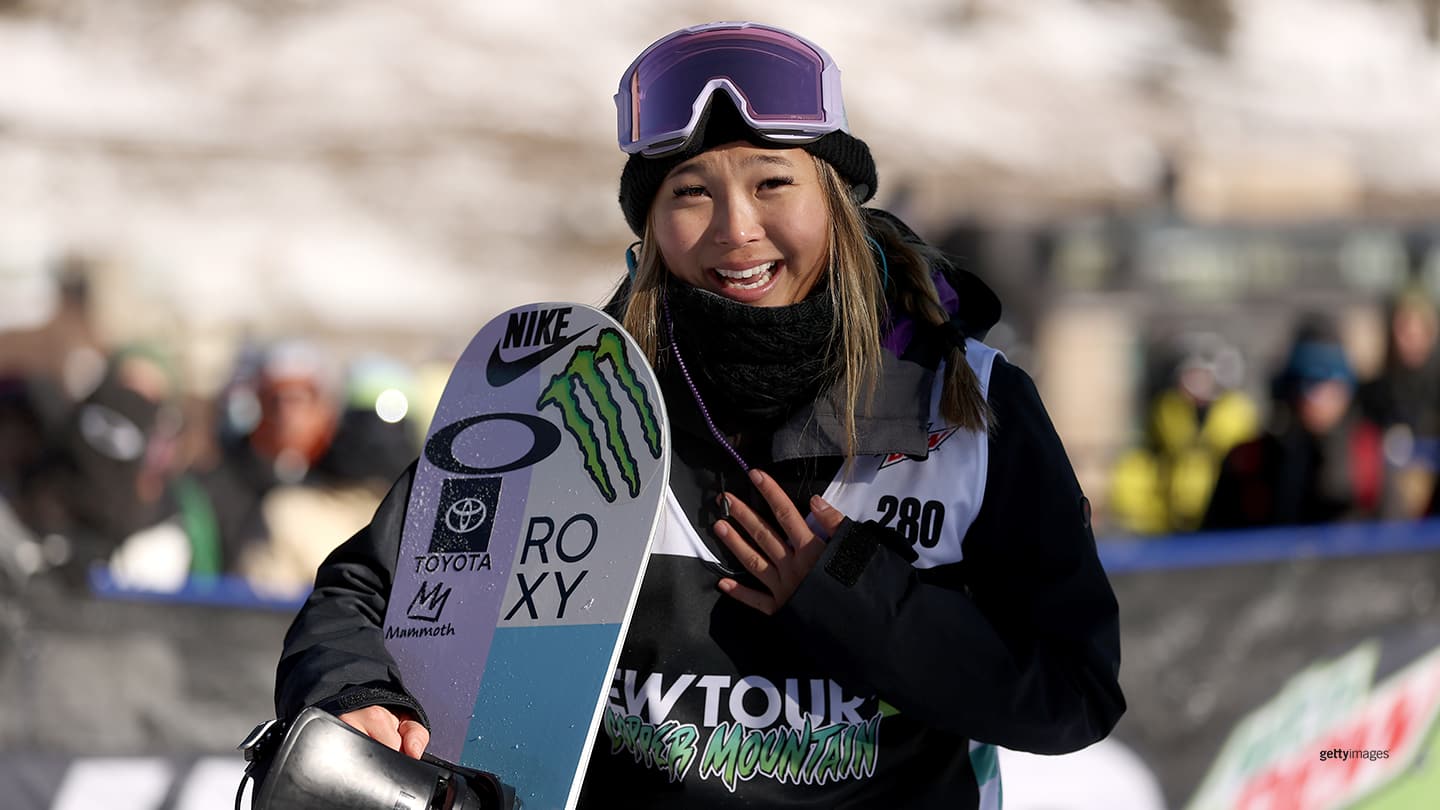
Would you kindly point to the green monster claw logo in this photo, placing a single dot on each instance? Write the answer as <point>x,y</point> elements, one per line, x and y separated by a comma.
<point>582,373</point>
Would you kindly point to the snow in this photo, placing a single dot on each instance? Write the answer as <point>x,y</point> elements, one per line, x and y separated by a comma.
<point>417,167</point>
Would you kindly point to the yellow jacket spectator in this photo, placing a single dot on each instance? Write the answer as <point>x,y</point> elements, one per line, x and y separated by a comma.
<point>1165,484</point>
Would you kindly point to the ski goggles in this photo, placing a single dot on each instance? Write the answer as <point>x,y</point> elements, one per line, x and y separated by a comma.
<point>785,87</point>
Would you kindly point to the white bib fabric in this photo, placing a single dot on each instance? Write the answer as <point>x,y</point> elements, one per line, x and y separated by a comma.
<point>675,535</point>
<point>931,501</point>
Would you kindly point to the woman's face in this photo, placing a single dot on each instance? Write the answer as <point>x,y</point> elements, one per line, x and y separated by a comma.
<point>747,223</point>
<point>1323,404</point>
<point>1414,334</point>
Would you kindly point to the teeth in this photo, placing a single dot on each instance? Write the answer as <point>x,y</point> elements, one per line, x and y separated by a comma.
<point>760,273</point>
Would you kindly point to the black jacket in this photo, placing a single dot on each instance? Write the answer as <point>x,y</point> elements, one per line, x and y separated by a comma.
<point>1290,477</point>
<point>1017,645</point>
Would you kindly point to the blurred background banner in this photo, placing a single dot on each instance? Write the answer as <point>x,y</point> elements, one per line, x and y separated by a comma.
<point>1247,672</point>
<point>1250,655</point>
<point>243,241</point>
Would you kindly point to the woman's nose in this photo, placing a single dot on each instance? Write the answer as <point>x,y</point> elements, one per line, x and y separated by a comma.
<point>736,221</point>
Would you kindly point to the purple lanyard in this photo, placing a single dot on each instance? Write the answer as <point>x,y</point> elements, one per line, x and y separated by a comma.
<point>695,392</point>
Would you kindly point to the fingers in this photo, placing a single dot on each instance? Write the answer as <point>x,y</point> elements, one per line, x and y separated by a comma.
<point>773,550</point>
<point>749,557</point>
<point>404,734</point>
<point>760,601</point>
<point>376,722</point>
<point>780,566</point>
<point>759,531</point>
<point>828,517</point>
<point>789,518</point>
<point>414,738</point>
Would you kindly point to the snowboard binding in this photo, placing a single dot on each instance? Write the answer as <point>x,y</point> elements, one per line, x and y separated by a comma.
<point>320,763</point>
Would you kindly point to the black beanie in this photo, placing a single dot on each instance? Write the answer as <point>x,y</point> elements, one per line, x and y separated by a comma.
<point>720,124</point>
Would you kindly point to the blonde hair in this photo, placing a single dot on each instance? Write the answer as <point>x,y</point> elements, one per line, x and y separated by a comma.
<point>914,293</point>
<point>859,306</point>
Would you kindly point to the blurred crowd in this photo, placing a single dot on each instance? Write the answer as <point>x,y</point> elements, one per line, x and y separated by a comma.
<point>108,462</point>
<point>1327,446</point>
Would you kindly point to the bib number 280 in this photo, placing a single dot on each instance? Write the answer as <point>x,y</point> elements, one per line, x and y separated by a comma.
<point>917,521</point>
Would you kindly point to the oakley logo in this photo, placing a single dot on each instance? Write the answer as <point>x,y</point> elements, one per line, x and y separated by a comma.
<point>532,328</point>
<point>583,374</point>
<point>544,438</point>
<point>429,603</point>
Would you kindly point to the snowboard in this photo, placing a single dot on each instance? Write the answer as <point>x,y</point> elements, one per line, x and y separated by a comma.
<point>526,537</point>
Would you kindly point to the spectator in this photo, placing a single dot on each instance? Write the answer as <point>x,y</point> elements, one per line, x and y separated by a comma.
<point>1164,485</point>
<point>1404,399</point>
<point>109,481</point>
<point>375,440</point>
<point>21,431</point>
<point>1407,391</point>
<point>307,459</point>
<point>1319,461</point>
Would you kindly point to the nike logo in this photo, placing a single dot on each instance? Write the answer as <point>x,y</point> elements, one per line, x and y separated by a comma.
<point>500,372</point>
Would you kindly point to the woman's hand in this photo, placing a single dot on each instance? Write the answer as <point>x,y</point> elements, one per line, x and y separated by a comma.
<point>779,564</point>
<point>401,732</point>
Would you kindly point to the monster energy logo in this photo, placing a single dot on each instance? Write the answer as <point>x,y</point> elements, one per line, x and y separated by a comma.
<point>582,373</point>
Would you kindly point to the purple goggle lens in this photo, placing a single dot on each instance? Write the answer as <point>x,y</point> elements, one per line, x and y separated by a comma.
<point>786,88</point>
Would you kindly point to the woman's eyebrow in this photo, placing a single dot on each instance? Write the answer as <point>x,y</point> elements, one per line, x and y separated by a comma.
<point>770,158</point>
<point>699,162</point>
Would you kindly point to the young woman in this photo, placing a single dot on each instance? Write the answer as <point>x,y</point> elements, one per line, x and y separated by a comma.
<point>876,563</point>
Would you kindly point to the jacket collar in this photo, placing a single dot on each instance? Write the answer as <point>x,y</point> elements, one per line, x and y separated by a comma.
<point>897,421</point>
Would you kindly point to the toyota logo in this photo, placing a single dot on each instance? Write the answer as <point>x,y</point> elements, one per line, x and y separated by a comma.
<point>465,515</point>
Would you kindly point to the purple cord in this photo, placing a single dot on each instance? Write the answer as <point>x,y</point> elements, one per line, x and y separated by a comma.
<point>695,392</point>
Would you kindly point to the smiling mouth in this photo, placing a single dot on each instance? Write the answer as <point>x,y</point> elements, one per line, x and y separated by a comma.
<point>748,279</point>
